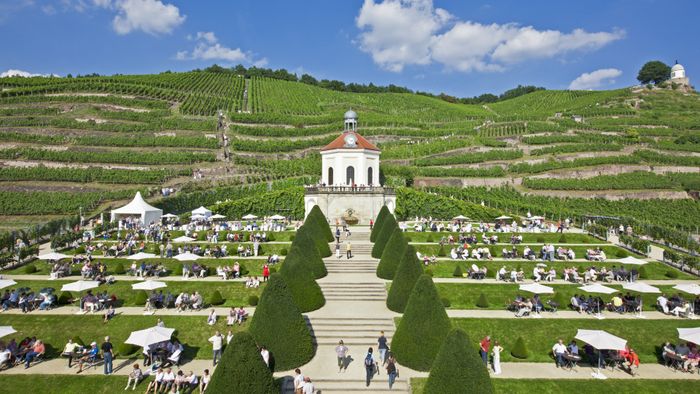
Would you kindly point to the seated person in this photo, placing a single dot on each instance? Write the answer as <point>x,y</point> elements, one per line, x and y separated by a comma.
<point>36,351</point>
<point>134,376</point>
<point>524,308</point>
<point>551,275</point>
<point>109,314</point>
<point>88,355</point>
<point>501,274</point>
<point>5,357</point>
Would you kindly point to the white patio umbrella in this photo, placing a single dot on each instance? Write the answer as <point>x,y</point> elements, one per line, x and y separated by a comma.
<point>690,288</point>
<point>79,287</point>
<point>277,217</point>
<point>183,238</point>
<point>249,216</point>
<point>633,260</point>
<point>149,336</point>
<point>537,288</point>
<point>601,340</point>
<point>198,217</point>
<point>460,217</point>
<point>141,256</point>
<point>149,285</point>
<point>217,216</point>
<point>53,256</point>
<point>686,334</point>
<point>536,218</point>
<point>169,216</point>
<point>640,288</point>
<point>6,330</point>
<point>503,217</point>
<point>600,289</point>
<point>187,256</point>
<point>6,283</point>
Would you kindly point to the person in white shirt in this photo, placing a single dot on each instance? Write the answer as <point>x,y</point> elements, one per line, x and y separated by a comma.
<point>160,323</point>
<point>298,381</point>
<point>168,379</point>
<point>211,320</point>
<point>156,384</point>
<point>536,274</point>
<point>559,350</point>
<point>204,382</point>
<point>217,344</point>
<point>229,337</point>
<point>308,387</point>
<point>501,273</point>
<point>265,355</point>
<point>663,303</point>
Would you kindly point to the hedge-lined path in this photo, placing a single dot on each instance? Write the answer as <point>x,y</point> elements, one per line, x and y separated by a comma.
<point>355,311</point>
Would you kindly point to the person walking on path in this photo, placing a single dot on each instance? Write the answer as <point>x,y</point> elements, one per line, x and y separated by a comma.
<point>266,272</point>
<point>371,224</point>
<point>308,387</point>
<point>298,382</point>
<point>497,349</point>
<point>337,235</point>
<point>348,250</point>
<point>370,365</point>
<point>217,343</point>
<point>337,250</point>
<point>382,346</point>
<point>342,352</point>
<point>391,370</point>
<point>484,349</point>
<point>107,355</point>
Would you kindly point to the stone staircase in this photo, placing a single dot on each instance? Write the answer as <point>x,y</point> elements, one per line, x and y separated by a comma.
<point>359,333</point>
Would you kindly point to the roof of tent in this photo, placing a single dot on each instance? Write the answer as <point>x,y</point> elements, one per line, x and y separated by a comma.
<point>136,206</point>
<point>201,211</point>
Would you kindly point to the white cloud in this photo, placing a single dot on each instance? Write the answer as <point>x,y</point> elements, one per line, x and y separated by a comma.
<point>207,47</point>
<point>398,33</point>
<point>21,73</point>
<point>595,79</point>
<point>150,16</point>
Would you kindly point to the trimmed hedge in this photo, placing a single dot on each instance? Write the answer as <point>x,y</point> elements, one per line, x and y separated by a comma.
<point>119,269</point>
<point>141,297</point>
<point>316,236</point>
<point>482,302</point>
<point>378,223</point>
<point>242,369</point>
<point>216,298</point>
<point>276,314</point>
<point>458,368</point>
<point>407,275</point>
<point>304,249</point>
<point>305,291</point>
<point>458,273</point>
<point>392,255</point>
<point>520,349</point>
<point>383,237</point>
<point>321,222</point>
<point>422,328</point>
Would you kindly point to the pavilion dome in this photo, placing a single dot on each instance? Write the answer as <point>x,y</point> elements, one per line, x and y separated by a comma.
<point>350,115</point>
<point>677,67</point>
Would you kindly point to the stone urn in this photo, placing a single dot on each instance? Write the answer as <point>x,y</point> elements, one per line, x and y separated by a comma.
<point>350,218</point>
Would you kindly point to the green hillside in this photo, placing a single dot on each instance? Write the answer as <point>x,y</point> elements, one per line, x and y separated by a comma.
<point>68,144</point>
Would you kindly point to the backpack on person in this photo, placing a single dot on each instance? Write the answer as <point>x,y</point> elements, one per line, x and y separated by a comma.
<point>369,362</point>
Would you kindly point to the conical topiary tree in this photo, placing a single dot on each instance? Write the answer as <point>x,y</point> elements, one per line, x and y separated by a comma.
<point>321,222</point>
<point>482,302</point>
<point>520,349</point>
<point>383,237</point>
<point>278,324</point>
<point>242,369</point>
<point>304,248</point>
<point>392,254</point>
<point>422,328</point>
<point>316,235</point>
<point>458,368</point>
<point>407,275</point>
<point>378,222</point>
<point>300,280</point>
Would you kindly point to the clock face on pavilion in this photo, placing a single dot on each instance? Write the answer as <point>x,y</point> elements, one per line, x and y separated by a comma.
<point>350,140</point>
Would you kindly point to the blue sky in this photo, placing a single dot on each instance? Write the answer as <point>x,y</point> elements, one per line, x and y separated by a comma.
<point>462,48</point>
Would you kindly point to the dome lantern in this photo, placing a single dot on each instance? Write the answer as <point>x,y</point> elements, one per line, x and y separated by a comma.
<point>350,120</point>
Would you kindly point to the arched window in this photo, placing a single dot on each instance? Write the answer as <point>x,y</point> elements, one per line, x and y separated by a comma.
<point>369,177</point>
<point>350,175</point>
<point>330,176</point>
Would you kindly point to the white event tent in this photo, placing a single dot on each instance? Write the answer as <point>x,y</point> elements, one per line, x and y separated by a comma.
<point>201,211</point>
<point>138,206</point>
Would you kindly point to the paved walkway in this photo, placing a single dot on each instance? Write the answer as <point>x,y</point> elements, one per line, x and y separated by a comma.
<point>492,281</point>
<point>503,314</point>
<point>125,311</point>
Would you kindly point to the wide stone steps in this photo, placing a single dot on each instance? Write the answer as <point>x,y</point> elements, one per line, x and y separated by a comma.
<point>360,331</point>
<point>351,386</point>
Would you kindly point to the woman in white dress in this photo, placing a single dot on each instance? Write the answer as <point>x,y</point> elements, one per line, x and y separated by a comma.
<point>497,349</point>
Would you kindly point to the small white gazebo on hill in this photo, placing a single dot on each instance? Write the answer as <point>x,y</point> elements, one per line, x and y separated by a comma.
<point>138,207</point>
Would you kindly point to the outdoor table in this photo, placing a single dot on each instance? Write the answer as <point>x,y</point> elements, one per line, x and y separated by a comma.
<point>571,360</point>
<point>614,360</point>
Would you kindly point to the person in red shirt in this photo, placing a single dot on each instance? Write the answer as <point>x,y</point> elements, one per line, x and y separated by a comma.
<point>371,224</point>
<point>266,272</point>
<point>37,350</point>
<point>632,360</point>
<point>485,346</point>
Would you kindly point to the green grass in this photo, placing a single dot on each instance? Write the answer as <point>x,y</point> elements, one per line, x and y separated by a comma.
<point>580,386</point>
<point>234,293</point>
<point>444,269</point>
<point>611,251</point>
<point>572,238</point>
<point>465,296</point>
<point>54,330</point>
<point>266,249</point>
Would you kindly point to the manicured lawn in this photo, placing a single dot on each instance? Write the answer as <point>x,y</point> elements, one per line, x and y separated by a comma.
<point>192,331</point>
<point>551,386</point>
<point>265,248</point>
<point>645,336</point>
<point>445,269</point>
<point>505,237</point>
<point>234,293</point>
<point>612,252</point>
<point>254,266</point>
<point>202,235</point>
<point>465,296</point>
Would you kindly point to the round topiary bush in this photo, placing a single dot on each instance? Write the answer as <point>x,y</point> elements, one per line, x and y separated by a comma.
<point>242,370</point>
<point>283,252</point>
<point>384,236</point>
<point>423,327</point>
<point>119,269</point>
<point>621,254</point>
<point>458,273</point>
<point>277,313</point>
<point>482,302</point>
<point>392,255</point>
<point>292,238</point>
<point>458,368</point>
<point>563,240</point>
<point>178,270</point>
<point>300,280</point>
<point>216,298</point>
<point>253,300</point>
<point>407,274</point>
<point>520,349</point>
<point>561,300</point>
<point>65,298</point>
<point>127,349</point>
<point>643,273</point>
<point>540,239</point>
<point>30,269</point>
<point>672,274</point>
<point>140,298</point>
<point>441,251</point>
<point>378,223</point>
<point>429,272</point>
<point>446,302</point>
